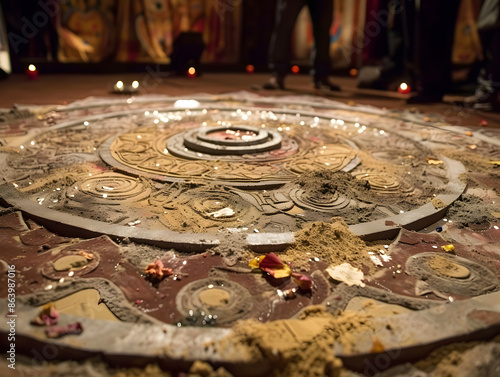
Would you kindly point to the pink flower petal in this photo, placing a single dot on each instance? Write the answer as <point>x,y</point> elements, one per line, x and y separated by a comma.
<point>304,282</point>
<point>59,331</point>
<point>48,316</point>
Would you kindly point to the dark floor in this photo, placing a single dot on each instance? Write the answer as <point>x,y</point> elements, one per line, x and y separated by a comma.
<point>65,88</point>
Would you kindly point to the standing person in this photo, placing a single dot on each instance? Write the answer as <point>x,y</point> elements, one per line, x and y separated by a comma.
<point>287,12</point>
<point>434,34</point>
<point>487,96</point>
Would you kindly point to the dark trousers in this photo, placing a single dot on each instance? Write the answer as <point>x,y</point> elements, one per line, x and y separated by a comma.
<point>489,29</point>
<point>286,15</point>
<point>434,34</point>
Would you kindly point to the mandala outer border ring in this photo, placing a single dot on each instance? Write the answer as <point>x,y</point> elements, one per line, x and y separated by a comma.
<point>386,228</point>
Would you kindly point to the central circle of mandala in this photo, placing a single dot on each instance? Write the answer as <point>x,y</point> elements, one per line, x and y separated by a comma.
<point>234,154</point>
<point>238,140</point>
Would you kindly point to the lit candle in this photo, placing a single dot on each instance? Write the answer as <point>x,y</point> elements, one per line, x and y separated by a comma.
<point>32,72</point>
<point>191,72</point>
<point>119,86</point>
<point>295,69</point>
<point>250,68</point>
<point>404,88</point>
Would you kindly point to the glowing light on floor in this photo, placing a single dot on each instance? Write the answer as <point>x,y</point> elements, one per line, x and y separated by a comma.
<point>191,72</point>
<point>404,88</point>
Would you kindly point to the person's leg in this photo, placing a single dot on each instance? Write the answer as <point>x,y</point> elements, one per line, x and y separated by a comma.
<point>493,68</point>
<point>279,47</point>
<point>434,42</point>
<point>487,95</point>
<point>321,15</point>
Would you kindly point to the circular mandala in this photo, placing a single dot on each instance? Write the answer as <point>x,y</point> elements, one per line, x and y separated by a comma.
<point>196,209</point>
<point>386,184</point>
<point>223,299</point>
<point>451,274</point>
<point>109,188</point>
<point>155,147</point>
<point>326,202</point>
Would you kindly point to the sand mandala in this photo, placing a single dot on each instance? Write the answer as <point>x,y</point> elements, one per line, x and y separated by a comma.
<point>150,169</point>
<point>232,229</point>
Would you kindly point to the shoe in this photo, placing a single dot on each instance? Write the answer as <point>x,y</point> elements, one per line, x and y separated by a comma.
<point>425,97</point>
<point>275,83</point>
<point>325,84</point>
<point>486,97</point>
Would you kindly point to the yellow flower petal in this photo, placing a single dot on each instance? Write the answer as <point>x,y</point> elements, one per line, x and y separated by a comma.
<point>255,262</point>
<point>283,272</point>
<point>448,248</point>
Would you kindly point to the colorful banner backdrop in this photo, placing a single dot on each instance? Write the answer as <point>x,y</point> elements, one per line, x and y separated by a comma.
<point>346,33</point>
<point>144,30</point>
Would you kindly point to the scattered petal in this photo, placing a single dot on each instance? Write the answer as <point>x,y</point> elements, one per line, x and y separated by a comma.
<point>48,316</point>
<point>271,261</point>
<point>472,146</point>
<point>448,248</point>
<point>157,270</point>
<point>255,262</point>
<point>433,161</point>
<point>59,331</point>
<point>274,266</point>
<point>495,162</point>
<point>305,284</point>
<point>468,133</point>
<point>347,274</point>
<point>271,264</point>
<point>279,273</point>
<point>483,123</point>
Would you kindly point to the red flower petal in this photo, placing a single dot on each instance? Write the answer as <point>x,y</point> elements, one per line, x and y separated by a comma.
<point>304,283</point>
<point>271,261</point>
<point>274,266</point>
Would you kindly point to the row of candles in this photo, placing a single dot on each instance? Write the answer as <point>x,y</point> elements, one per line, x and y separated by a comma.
<point>120,87</point>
